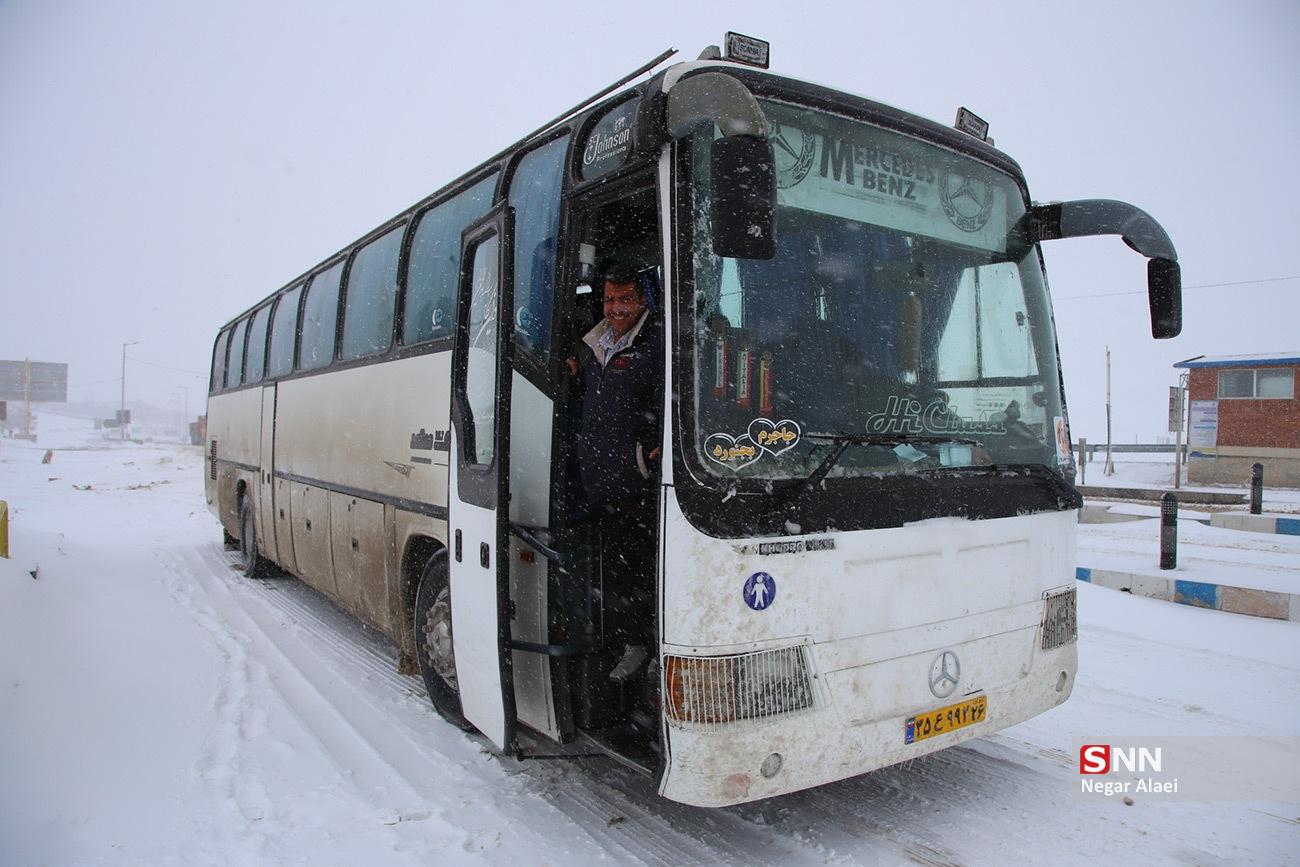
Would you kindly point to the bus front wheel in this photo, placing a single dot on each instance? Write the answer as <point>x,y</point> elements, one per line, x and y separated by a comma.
<point>253,564</point>
<point>434,648</point>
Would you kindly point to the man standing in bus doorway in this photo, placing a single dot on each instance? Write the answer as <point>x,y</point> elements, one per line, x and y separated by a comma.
<point>617,453</point>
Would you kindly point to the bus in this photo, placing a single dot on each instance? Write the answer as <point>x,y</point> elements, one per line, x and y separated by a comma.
<point>860,546</point>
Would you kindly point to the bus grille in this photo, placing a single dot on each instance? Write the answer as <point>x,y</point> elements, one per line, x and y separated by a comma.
<point>748,686</point>
<point>1060,624</point>
<point>212,461</point>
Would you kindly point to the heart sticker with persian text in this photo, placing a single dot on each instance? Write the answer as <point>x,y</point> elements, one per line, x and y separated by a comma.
<point>775,438</point>
<point>735,453</point>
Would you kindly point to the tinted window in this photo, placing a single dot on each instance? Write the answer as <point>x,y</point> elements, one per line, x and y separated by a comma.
<point>435,262</point>
<point>370,297</point>
<point>535,196</point>
<point>284,328</point>
<point>256,364</point>
<point>219,361</point>
<point>319,319</point>
<point>235,370</point>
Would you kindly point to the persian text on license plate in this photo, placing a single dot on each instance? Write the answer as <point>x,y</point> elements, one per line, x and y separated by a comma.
<point>946,719</point>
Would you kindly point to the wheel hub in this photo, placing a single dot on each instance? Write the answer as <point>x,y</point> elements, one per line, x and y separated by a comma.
<point>437,638</point>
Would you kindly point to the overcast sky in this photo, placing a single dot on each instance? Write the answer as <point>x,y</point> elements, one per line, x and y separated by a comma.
<point>164,164</point>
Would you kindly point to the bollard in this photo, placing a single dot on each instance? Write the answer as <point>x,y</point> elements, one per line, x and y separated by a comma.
<point>4,529</point>
<point>1256,489</point>
<point>1168,531</point>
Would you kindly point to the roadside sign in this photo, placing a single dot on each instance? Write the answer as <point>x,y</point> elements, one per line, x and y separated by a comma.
<point>1175,409</point>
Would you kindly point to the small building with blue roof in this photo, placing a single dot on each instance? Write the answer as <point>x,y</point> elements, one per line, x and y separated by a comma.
<point>1244,409</point>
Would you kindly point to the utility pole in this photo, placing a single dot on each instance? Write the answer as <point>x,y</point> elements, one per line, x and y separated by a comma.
<point>1177,407</point>
<point>27,399</point>
<point>122,415</point>
<point>1110,464</point>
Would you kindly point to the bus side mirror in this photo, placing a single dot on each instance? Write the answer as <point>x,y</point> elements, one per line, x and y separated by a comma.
<point>743,197</point>
<point>1165,298</point>
<point>1137,229</point>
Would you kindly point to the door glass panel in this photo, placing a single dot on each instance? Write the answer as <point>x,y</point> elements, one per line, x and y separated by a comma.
<point>535,196</point>
<point>481,357</point>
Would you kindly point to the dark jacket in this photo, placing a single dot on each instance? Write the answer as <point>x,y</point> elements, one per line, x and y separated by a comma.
<point>621,409</point>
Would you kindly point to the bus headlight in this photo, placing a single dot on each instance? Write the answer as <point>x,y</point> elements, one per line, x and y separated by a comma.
<point>720,689</point>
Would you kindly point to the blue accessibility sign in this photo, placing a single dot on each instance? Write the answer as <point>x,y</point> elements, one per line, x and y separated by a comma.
<point>759,591</point>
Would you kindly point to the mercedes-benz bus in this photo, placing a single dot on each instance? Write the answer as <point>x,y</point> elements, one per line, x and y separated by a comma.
<point>862,536</point>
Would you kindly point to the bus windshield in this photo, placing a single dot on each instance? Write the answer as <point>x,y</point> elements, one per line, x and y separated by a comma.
<point>904,314</point>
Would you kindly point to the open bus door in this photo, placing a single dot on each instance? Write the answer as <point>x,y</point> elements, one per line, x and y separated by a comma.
<point>478,495</point>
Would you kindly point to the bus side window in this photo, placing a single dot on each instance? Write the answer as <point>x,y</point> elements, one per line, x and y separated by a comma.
<point>219,361</point>
<point>235,369</point>
<point>429,311</point>
<point>284,329</point>
<point>371,296</point>
<point>535,196</point>
<point>319,318</point>
<point>256,364</point>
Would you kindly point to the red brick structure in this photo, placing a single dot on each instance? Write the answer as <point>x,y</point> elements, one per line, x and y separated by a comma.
<point>1244,409</point>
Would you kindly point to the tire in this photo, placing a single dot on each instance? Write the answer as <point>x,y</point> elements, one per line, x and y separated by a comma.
<point>254,565</point>
<point>434,647</point>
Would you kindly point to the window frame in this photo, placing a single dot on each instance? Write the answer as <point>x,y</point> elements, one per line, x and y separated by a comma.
<point>345,291</point>
<point>1254,383</point>
<point>241,322</point>
<point>280,296</point>
<point>218,384</point>
<point>247,379</point>
<point>341,263</point>
<point>444,342</point>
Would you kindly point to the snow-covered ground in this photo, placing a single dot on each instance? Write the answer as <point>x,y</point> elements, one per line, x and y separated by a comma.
<point>158,708</point>
<point>1213,555</point>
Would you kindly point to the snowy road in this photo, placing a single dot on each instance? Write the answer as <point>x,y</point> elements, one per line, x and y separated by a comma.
<point>157,707</point>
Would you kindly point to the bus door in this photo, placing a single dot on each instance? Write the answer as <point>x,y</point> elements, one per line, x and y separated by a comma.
<point>266,482</point>
<point>478,496</point>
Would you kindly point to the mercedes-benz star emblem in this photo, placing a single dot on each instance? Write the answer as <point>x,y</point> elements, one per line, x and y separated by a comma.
<point>793,149</point>
<point>944,673</point>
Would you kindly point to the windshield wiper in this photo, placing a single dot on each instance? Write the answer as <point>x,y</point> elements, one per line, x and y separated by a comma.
<point>842,441</point>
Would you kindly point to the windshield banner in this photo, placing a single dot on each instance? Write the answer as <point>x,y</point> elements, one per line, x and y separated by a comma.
<point>866,174</point>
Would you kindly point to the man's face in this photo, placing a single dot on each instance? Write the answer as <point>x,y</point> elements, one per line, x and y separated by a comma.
<point>623,306</point>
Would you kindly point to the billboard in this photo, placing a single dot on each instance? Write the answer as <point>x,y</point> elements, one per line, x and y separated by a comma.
<point>49,382</point>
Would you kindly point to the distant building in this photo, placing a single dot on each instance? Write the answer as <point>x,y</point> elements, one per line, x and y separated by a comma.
<point>1244,410</point>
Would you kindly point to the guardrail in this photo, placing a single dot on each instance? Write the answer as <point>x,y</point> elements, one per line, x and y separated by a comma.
<point>1131,448</point>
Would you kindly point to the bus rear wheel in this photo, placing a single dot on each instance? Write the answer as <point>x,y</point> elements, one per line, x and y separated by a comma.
<point>434,648</point>
<point>253,564</point>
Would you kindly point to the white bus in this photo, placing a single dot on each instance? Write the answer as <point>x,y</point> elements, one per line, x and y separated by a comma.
<point>863,525</point>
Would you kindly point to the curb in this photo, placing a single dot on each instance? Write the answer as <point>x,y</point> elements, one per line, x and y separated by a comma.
<point>1273,604</point>
<point>1256,523</point>
<point>1185,497</point>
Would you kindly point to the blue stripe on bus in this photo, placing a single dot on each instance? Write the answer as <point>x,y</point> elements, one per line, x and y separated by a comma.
<point>1196,593</point>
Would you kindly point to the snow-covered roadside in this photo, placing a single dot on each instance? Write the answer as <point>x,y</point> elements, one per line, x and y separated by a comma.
<point>1213,555</point>
<point>1156,470</point>
<point>156,707</point>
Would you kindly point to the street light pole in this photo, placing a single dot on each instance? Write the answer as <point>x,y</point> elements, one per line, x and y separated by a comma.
<point>122,414</point>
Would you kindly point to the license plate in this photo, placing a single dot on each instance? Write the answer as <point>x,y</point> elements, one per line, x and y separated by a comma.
<point>933,723</point>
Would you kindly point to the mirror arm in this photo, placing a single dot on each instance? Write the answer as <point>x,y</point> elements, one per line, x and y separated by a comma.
<point>1103,217</point>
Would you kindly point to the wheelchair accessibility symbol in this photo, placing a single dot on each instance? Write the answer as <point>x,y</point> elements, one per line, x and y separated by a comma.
<point>759,591</point>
